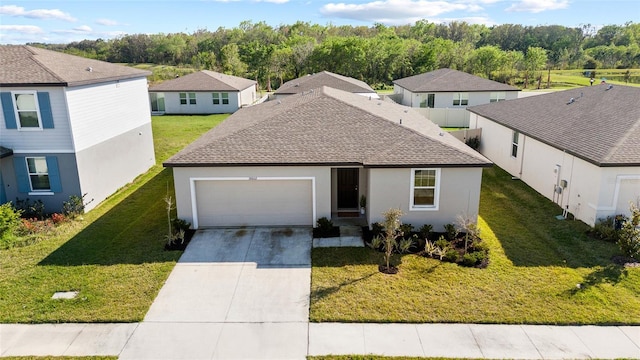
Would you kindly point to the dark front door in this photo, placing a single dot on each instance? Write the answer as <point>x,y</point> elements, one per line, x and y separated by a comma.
<point>348,188</point>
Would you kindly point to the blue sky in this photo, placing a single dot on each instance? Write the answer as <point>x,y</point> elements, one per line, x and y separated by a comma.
<point>65,21</point>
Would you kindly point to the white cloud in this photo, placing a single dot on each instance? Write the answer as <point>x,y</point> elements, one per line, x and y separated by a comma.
<point>107,22</point>
<point>22,29</point>
<point>274,1</point>
<point>83,29</point>
<point>13,10</point>
<point>536,6</point>
<point>395,11</point>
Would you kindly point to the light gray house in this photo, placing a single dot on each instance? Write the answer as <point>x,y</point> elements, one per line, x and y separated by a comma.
<point>580,148</point>
<point>202,92</point>
<point>443,95</point>
<point>70,126</point>
<point>306,156</point>
<point>325,78</point>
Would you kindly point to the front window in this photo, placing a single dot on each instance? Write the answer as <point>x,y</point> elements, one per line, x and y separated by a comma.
<point>514,144</point>
<point>225,98</point>
<point>460,99</point>
<point>424,189</point>
<point>497,96</point>
<point>26,106</point>
<point>187,98</point>
<point>38,173</point>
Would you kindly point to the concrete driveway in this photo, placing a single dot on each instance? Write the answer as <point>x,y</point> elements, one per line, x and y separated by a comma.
<point>234,294</point>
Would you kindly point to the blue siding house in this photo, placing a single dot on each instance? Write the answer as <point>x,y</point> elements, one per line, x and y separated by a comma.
<point>70,126</point>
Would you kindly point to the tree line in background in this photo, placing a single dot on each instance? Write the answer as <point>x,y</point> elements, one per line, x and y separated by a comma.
<point>508,53</point>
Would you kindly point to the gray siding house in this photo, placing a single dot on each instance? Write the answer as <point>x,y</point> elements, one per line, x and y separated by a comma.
<point>70,126</point>
<point>203,92</point>
<point>443,95</point>
<point>325,78</point>
<point>306,156</point>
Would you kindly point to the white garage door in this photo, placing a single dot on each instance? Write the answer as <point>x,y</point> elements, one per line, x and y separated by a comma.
<point>254,202</point>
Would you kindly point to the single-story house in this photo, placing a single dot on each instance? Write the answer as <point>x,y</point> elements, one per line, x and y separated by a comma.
<point>443,95</point>
<point>580,148</point>
<point>70,126</point>
<point>202,92</point>
<point>312,155</point>
<point>325,78</point>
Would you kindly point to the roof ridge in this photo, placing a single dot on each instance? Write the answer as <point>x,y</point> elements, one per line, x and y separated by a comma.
<point>46,68</point>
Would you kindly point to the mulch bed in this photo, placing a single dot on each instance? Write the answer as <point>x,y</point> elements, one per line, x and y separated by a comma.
<point>318,233</point>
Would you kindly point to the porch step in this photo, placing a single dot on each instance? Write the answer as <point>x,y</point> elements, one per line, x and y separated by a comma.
<point>350,236</point>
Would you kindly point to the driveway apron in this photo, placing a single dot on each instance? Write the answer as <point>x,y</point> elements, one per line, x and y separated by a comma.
<point>234,294</point>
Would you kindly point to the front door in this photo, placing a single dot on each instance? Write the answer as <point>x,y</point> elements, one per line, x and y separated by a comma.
<point>348,188</point>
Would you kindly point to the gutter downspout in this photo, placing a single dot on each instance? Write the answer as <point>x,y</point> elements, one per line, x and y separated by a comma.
<point>524,140</point>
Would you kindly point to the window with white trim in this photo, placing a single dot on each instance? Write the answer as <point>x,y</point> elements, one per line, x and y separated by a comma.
<point>460,99</point>
<point>38,173</point>
<point>514,144</point>
<point>220,98</point>
<point>27,112</point>
<point>188,98</point>
<point>425,189</point>
<point>497,96</point>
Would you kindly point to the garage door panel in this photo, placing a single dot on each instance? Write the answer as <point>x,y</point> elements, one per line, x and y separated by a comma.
<point>254,202</point>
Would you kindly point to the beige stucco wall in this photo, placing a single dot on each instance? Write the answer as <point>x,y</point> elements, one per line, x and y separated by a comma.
<point>182,176</point>
<point>591,193</point>
<point>459,196</point>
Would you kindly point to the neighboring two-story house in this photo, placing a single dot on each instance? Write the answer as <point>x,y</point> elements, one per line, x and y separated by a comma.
<point>443,95</point>
<point>70,126</point>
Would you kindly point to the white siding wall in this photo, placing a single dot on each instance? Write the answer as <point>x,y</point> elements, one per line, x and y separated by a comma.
<point>204,104</point>
<point>54,140</point>
<point>247,96</point>
<point>100,112</point>
<point>459,195</point>
<point>591,191</point>
<point>444,113</point>
<point>182,175</point>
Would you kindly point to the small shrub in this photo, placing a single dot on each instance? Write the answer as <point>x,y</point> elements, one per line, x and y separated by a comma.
<point>30,209</point>
<point>74,207</point>
<point>451,230</point>
<point>443,243</point>
<point>406,230</point>
<point>451,255</point>
<point>605,229</point>
<point>179,224</point>
<point>433,250</point>
<point>377,229</point>
<point>473,258</point>
<point>405,245</point>
<point>324,227</point>
<point>58,218</point>
<point>425,231</point>
<point>473,142</point>
<point>629,237</point>
<point>9,224</point>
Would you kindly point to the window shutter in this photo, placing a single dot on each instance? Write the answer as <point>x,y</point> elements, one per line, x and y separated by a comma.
<point>7,110</point>
<point>45,110</point>
<point>22,175</point>
<point>54,174</point>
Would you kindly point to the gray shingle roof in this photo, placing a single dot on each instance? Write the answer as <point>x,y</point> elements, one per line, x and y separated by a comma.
<point>204,80</point>
<point>324,78</point>
<point>601,126</point>
<point>448,80</point>
<point>327,127</point>
<point>26,65</point>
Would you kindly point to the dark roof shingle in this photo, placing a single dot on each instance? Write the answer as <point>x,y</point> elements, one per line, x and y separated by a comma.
<point>324,78</point>
<point>448,80</point>
<point>327,126</point>
<point>601,125</point>
<point>205,80</point>
<point>27,65</point>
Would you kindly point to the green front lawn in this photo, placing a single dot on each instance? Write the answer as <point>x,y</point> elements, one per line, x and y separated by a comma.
<point>536,265</point>
<point>114,257</point>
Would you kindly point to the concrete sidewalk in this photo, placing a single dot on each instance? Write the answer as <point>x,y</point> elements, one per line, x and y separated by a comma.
<point>194,340</point>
